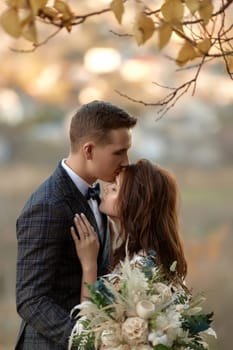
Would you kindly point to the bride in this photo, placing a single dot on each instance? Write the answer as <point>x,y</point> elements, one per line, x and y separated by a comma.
<point>142,207</point>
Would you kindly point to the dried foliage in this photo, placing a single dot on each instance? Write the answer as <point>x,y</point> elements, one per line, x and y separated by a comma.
<point>203,25</point>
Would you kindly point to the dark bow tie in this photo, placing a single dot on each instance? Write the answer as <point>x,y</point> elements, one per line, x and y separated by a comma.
<point>93,192</point>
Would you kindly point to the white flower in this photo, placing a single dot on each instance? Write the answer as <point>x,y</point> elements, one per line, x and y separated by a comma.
<point>174,333</point>
<point>157,301</point>
<point>164,291</point>
<point>168,319</point>
<point>161,287</point>
<point>135,330</point>
<point>110,337</point>
<point>169,323</point>
<point>145,309</point>
<point>158,338</point>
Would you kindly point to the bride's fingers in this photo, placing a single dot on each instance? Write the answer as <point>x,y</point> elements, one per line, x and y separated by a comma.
<point>74,235</point>
<point>79,226</point>
<point>87,224</point>
<point>83,226</point>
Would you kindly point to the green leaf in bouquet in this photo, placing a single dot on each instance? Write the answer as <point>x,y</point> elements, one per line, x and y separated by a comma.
<point>148,272</point>
<point>148,265</point>
<point>100,294</point>
<point>84,340</point>
<point>182,297</point>
<point>197,323</point>
<point>161,347</point>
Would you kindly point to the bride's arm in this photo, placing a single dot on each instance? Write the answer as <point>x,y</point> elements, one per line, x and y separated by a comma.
<point>87,248</point>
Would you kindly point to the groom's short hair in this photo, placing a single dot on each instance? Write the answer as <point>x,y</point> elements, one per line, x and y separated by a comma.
<point>95,120</point>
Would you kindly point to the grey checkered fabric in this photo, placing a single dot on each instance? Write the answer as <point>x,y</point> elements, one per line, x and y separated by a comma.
<point>48,271</point>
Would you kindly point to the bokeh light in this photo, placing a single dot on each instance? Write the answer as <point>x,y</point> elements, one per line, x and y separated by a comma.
<point>102,60</point>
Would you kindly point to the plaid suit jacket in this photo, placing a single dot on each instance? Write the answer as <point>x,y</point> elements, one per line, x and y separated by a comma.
<point>49,273</point>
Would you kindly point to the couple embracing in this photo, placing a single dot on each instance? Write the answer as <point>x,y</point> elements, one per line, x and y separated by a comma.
<point>68,236</point>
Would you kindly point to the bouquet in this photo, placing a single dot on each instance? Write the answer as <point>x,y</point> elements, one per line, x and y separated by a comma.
<point>137,308</point>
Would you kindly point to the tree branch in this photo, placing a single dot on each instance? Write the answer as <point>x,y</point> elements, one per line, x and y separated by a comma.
<point>168,101</point>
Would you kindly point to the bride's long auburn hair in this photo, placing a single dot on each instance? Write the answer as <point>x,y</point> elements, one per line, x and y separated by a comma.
<point>147,207</point>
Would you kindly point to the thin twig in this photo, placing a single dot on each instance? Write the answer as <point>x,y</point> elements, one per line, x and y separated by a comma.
<point>36,45</point>
<point>169,101</point>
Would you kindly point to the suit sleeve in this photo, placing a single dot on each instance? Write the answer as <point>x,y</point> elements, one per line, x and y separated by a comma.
<point>40,234</point>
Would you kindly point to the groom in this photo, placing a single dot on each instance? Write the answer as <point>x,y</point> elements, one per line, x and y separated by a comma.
<point>48,270</point>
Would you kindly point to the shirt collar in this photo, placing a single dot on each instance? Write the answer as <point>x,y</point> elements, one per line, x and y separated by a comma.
<point>81,184</point>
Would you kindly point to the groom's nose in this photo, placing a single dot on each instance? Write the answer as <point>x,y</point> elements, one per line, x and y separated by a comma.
<point>125,160</point>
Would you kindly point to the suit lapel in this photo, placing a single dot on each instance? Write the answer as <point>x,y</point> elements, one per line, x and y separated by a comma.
<point>74,199</point>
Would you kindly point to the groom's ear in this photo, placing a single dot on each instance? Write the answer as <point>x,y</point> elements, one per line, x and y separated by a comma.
<point>88,148</point>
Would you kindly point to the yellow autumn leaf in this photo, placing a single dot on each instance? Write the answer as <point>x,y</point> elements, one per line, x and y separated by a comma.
<point>143,29</point>
<point>10,22</point>
<point>30,32</point>
<point>63,8</point>
<point>117,7</point>
<point>25,22</point>
<point>50,12</point>
<point>17,3</point>
<point>41,3</point>
<point>178,29</point>
<point>193,5</point>
<point>36,5</point>
<point>186,53</point>
<point>205,10</point>
<point>172,11</point>
<point>165,32</point>
<point>204,46</point>
<point>138,34</point>
<point>68,26</point>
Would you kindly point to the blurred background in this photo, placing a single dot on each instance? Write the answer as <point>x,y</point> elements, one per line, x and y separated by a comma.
<point>39,91</point>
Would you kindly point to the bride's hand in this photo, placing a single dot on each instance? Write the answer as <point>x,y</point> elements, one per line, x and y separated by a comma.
<point>87,245</point>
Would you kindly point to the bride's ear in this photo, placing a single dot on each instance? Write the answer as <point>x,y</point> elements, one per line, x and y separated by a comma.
<point>88,148</point>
